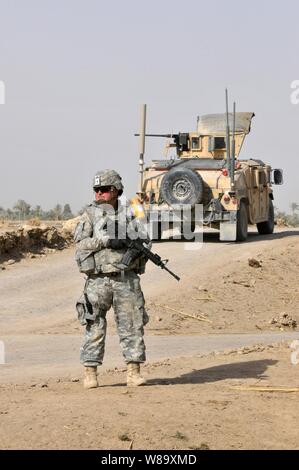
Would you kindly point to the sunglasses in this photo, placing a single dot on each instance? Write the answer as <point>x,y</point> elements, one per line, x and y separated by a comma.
<point>102,189</point>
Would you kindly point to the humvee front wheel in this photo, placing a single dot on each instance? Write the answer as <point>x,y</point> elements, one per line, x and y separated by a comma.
<point>267,227</point>
<point>242,222</point>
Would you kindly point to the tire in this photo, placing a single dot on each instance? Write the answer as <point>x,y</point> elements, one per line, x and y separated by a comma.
<point>182,186</point>
<point>242,222</point>
<point>267,227</point>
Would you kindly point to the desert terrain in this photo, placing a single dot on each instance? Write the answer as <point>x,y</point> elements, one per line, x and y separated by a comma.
<point>228,323</point>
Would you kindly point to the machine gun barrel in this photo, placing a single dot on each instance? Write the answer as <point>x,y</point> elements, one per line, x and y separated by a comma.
<point>167,136</point>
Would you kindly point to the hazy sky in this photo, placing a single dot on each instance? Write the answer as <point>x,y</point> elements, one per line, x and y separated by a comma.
<point>77,71</point>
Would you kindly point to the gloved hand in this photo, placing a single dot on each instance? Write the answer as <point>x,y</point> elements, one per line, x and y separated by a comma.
<point>116,244</point>
<point>131,255</point>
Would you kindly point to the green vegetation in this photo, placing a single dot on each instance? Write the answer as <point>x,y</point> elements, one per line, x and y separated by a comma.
<point>292,219</point>
<point>23,211</point>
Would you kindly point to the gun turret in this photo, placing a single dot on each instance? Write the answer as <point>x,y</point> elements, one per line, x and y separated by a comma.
<point>180,139</point>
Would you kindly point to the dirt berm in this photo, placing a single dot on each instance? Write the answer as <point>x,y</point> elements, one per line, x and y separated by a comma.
<point>34,238</point>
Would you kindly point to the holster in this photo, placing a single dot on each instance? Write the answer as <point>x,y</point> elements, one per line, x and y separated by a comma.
<point>84,309</point>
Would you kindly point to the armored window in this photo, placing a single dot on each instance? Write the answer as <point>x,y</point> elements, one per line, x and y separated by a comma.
<point>195,143</point>
<point>219,143</point>
<point>262,178</point>
<point>183,141</point>
<point>216,143</point>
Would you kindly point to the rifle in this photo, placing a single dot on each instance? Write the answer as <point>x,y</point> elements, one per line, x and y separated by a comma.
<point>136,249</point>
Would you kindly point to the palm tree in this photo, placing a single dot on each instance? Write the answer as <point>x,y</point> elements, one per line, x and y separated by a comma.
<point>57,211</point>
<point>22,208</point>
<point>67,212</point>
<point>37,212</point>
<point>294,207</point>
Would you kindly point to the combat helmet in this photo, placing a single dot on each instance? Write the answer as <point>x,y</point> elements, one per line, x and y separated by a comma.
<point>108,178</point>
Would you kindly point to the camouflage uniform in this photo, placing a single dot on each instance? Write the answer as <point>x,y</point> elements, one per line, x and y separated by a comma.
<point>107,286</point>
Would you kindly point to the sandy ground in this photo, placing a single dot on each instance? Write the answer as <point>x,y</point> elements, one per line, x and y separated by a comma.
<point>189,402</point>
<point>38,295</point>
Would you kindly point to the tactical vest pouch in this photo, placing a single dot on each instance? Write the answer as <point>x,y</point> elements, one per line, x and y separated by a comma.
<point>85,261</point>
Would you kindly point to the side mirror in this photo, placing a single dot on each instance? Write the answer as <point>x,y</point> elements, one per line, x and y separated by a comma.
<point>277,176</point>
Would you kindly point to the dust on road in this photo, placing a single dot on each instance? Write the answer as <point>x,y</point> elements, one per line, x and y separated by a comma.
<point>37,298</point>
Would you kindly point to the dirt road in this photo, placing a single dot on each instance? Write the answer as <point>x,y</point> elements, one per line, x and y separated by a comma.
<point>239,305</point>
<point>189,403</point>
<point>37,296</point>
<point>32,358</point>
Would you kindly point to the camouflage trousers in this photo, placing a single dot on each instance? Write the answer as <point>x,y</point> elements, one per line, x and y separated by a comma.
<point>126,298</point>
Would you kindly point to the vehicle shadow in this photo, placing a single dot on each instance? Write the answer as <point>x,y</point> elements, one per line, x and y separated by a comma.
<point>209,237</point>
<point>253,237</point>
<point>239,370</point>
<point>213,237</point>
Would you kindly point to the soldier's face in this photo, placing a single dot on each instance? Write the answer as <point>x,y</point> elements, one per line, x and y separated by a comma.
<point>106,194</point>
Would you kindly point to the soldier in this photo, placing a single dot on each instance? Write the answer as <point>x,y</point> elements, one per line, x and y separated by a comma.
<point>99,251</point>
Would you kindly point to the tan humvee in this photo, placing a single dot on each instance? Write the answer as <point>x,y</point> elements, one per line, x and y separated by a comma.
<point>233,192</point>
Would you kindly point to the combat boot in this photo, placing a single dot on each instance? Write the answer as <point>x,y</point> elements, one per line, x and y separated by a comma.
<point>134,379</point>
<point>90,378</point>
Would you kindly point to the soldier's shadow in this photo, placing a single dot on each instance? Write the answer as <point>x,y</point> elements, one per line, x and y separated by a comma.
<point>239,370</point>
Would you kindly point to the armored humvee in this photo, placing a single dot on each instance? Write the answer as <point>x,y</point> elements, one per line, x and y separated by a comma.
<point>207,170</point>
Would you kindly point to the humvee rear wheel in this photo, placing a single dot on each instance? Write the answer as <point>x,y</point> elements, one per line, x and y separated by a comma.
<point>242,222</point>
<point>267,227</point>
<point>182,186</point>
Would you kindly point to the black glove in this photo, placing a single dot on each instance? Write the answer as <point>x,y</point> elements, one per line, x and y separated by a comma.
<point>116,244</point>
<point>131,255</point>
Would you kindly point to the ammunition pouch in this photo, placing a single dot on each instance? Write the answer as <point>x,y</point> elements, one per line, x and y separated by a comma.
<point>85,261</point>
